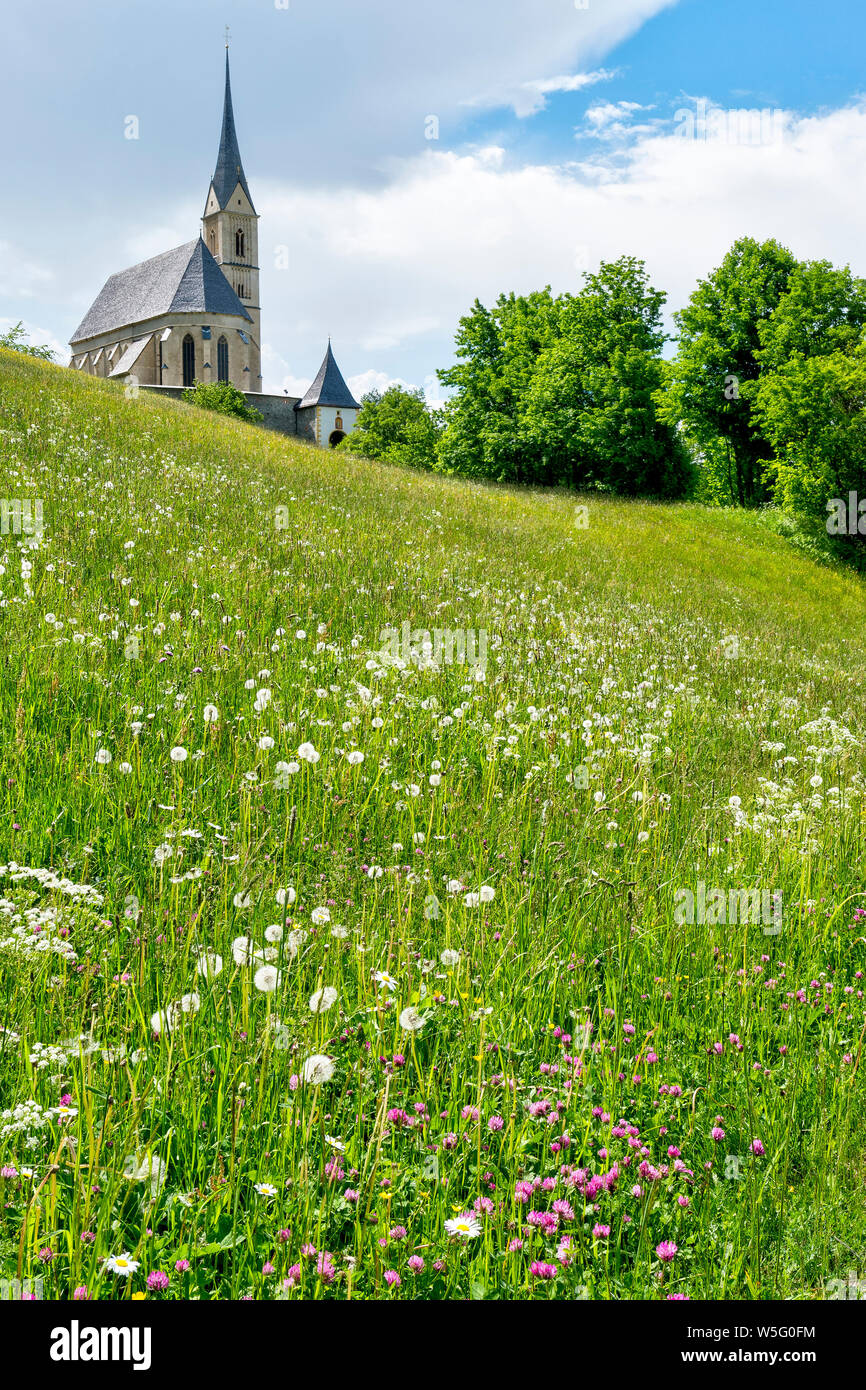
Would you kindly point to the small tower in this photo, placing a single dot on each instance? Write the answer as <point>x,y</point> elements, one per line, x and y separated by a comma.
<point>327,413</point>
<point>231,233</point>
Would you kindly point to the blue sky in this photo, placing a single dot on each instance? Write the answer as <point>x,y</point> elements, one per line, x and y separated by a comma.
<point>559,144</point>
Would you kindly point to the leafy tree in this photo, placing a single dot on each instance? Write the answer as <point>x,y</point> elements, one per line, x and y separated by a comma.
<point>561,390</point>
<point>222,397</point>
<point>813,410</point>
<point>823,311</point>
<point>498,350</point>
<point>15,339</point>
<point>710,385</point>
<point>394,425</point>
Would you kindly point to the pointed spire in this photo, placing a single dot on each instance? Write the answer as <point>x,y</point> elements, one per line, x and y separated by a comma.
<point>329,387</point>
<point>229,170</point>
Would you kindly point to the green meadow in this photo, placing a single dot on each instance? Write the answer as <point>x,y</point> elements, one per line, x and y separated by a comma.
<point>333,965</point>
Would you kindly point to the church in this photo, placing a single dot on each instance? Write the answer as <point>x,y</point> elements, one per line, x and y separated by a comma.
<point>194,314</point>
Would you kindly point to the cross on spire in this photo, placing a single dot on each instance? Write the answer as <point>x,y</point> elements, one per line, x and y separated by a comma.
<point>227,36</point>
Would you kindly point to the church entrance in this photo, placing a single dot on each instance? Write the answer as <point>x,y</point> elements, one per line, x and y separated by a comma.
<point>335,437</point>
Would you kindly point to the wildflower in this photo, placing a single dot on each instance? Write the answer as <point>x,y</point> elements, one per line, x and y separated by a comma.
<point>539,1269</point>
<point>466,1225</point>
<point>178,755</point>
<point>123,1265</point>
<point>666,1250</point>
<point>323,999</point>
<point>355,757</point>
<point>757,1148</point>
<point>286,896</point>
<point>266,1189</point>
<point>211,714</point>
<point>320,916</point>
<point>308,754</point>
<point>317,1070</point>
<point>82,1292</point>
<point>157,1280</point>
<point>392,1278</point>
<point>450,958</point>
<point>385,980</point>
<point>267,979</point>
<point>411,1021</point>
<point>103,757</point>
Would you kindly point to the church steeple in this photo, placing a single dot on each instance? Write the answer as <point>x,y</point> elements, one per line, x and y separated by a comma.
<point>230,229</point>
<point>229,170</point>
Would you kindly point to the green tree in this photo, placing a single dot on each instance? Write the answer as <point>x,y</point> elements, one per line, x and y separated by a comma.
<point>823,311</point>
<point>15,339</point>
<point>497,351</point>
<point>813,410</point>
<point>224,398</point>
<point>395,425</point>
<point>710,386</point>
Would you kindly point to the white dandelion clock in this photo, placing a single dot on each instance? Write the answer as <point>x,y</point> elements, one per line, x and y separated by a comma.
<point>450,958</point>
<point>243,951</point>
<point>209,965</point>
<point>178,755</point>
<point>323,999</point>
<point>320,916</point>
<point>486,894</point>
<point>210,714</point>
<point>318,1069</point>
<point>355,757</point>
<point>103,757</point>
<point>274,933</point>
<point>286,896</point>
<point>411,1021</point>
<point>308,753</point>
<point>267,979</point>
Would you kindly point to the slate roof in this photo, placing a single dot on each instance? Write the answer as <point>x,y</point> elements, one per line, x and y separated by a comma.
<point>186,279</point>
<point>329,388</point>
<point>229,170</point>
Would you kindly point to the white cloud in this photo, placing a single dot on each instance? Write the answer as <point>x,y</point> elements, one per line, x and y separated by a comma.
<point>389,273</point>
<point>537,90</point>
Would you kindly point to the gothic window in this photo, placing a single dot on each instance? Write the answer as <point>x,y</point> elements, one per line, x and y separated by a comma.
<point>212,241</point>
<point>188,360</point>
<point>222,360</point>
<point>239,244</point>
<point>241,290</point>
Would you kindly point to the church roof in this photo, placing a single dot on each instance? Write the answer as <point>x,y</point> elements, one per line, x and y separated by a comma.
<point>186,279</point>
<point>329,388</point>
<point>229,170</point>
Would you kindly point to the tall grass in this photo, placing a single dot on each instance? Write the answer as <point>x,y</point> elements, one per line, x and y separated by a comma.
<point>672,697</point>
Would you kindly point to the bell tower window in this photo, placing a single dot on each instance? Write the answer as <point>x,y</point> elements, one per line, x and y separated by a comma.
<point>239,244</point>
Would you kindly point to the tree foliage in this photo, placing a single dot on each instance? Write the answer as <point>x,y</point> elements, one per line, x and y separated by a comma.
<point>395,425</point>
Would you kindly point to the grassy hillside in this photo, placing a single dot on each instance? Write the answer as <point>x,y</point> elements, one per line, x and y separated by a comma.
<point>671,697</point>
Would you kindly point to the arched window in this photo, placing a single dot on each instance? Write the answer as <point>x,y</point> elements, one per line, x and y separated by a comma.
<point>212,241</point>
<point>240,289</point>
<point>188,360</point>
<point>223,359</point>
<point>239,244</point>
